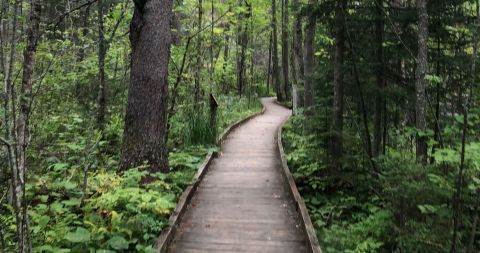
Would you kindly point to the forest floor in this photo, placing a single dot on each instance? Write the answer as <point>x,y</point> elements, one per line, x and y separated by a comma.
<point>242,204</point>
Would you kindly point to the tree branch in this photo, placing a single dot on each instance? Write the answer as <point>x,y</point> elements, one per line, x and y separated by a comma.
<point>5,142</point>
<point>115,28</point>
<point>60,18</point>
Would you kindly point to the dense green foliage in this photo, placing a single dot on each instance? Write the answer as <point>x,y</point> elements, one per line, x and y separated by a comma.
<point>77,201</point>
<point>116,212</point>
<point>393,202</point>
<point>405,209</point>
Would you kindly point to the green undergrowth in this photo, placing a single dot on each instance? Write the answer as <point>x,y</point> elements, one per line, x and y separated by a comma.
<point>192,125</point>
<point>113,213</point>
<point>405,208</point>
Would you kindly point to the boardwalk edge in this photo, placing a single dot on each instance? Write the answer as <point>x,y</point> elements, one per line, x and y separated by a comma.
<point>312,240</point>
<point>235,125</point>
<point>167,234</point>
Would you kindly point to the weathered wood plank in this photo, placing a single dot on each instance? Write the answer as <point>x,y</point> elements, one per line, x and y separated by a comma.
<point>168,233</point>
<point>244,202</point>
<point>196,247</point>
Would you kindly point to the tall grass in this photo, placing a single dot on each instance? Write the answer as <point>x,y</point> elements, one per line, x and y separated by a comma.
<point>191,126</point>
<point>197,126</point>
<point>232,109</point>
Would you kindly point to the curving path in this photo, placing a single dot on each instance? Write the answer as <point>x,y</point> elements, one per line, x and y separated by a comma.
<point>242,204</point>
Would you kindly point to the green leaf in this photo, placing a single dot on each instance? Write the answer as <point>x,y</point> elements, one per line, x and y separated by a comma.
<point>57,250</point>
<point>118,243</point>
<point>427,209</point>
<point>74,147</point>
<point>69,185</point>
<point>57,207</point>
<point>72,202</point>
<point>59,166</point>
<point>80,235</point>
<point>43,198</point>
<point>217,30</point>
<point>434,78</point>
<point>447,155</point>
<point>44,248</point>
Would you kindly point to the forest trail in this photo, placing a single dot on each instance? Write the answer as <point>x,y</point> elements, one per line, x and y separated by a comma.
<point>243,203</point>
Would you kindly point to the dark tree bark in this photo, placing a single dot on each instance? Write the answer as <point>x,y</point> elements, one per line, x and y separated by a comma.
<point>466,95</point>
<point>363,109</point>
<point>297,44</point>
<point>457,196</point>
<point>379,101</point>
<point>338,89</point>
<point>102,52</point>
<point>226,52</point>
<point>145,133</point>
<point>213,102</point>
<point>285,51</point>
<point>84,30</point>
<point>438,90</point>
<point>275,68</point>
<point>422,65</point>
<point>22,128</point>
<point>198,65</point>
<point>103,46</point>
<point>473,233</point>
<point>241,65</point>
<point>269,71</point>
<point>243,43</point>
<point>309,58</point>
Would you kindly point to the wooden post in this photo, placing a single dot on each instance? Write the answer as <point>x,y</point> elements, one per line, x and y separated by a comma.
<point>213,112</point>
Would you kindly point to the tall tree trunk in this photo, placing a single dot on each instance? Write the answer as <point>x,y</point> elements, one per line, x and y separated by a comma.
<point>84,32</point>
<point>212,42</point>
<point>241,64</point>
<point>198,65</point>
<point>243,42</point>
<point>457,196</point>
<point>309,58</point>
<point>368,142</point>
<point>225,63</point>
<point>269,71</point>
<point>22,130</point>
<point>285,51</point>
<point>102,52</point>
<point>473,232</point>
<point>338,89</point>
<point>379,101</point>
<point>297,43</point>
<point>275,68</point>
<point>226,52</point>
<point>16,186</point>
<point>145,131</point>
<point>465,95</point>
<point>438,90</point>
<point>213,102</point>
<point>422,65</point>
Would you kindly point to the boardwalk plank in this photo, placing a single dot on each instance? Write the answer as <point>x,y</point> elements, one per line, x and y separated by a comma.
<point>259,247</point>
<point>243,203</point>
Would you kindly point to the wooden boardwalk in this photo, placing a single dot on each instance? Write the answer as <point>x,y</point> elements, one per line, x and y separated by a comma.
<point>243,203</point>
